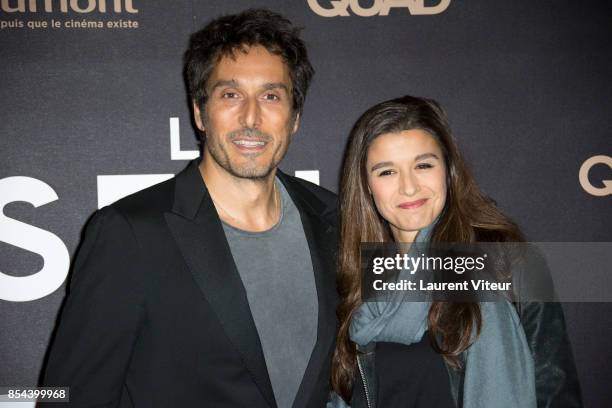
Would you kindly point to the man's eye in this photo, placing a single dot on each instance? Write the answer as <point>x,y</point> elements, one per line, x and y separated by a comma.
<point>386,173</point>
<point>271,97</point>
<point>229,95</point>
<point>423,166</point>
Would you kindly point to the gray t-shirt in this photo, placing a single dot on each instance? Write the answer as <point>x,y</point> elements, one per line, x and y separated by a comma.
<point>276,271</point>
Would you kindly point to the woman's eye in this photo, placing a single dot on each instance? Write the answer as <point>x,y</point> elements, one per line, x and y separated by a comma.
<point>422,166</point>
<point>385,173</point>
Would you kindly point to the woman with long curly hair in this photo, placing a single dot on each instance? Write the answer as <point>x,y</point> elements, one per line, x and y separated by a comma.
<point>404,181</point>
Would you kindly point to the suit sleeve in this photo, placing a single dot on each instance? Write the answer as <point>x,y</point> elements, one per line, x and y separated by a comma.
<point>99,322</point>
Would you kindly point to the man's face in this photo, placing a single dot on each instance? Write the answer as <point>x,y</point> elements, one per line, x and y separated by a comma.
<point>248,117</point>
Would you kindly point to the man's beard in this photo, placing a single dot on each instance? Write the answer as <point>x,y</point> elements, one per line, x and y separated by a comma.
<point>250,169</point>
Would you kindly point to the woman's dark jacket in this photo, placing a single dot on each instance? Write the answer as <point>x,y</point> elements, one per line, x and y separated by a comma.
<point>556,378</point>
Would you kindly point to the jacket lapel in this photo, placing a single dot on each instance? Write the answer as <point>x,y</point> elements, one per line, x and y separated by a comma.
<point>198,232</point>
<point>321,234</point>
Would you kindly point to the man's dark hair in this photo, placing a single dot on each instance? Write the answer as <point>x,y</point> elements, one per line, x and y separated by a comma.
<point>227,34</point>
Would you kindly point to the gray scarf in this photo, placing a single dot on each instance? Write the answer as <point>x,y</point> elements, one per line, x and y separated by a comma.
<point>499,369</point>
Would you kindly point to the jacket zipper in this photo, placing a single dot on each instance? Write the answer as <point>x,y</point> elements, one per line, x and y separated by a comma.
<point>365,385</point>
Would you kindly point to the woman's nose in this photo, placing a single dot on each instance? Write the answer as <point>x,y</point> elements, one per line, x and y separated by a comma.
<point>408,184</point>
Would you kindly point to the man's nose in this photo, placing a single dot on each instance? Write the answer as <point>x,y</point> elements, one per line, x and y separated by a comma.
<point>251,113</point>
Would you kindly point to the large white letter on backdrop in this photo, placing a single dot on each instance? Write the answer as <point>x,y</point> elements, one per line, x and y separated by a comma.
<point>46,244</point>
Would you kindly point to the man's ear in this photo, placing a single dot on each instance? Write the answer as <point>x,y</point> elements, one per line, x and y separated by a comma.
<point>296,123</point>
<point>197,116</point>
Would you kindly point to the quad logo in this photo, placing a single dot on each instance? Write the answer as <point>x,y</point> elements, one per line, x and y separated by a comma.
<point>583,176</point>
<point>377,8</point>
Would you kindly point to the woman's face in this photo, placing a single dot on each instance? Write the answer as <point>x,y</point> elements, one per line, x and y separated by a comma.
<point>407,179</point>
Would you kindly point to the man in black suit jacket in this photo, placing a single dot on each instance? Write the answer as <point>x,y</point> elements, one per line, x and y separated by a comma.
<point>159,311</point>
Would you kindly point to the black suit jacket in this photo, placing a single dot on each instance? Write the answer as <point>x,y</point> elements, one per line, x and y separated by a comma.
<point>157,315</point>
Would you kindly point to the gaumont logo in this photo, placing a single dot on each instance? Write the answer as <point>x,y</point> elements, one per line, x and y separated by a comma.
<point>340,8</point>
<point>583,176</point>
<point>56,15</point>
<point>65,6</point>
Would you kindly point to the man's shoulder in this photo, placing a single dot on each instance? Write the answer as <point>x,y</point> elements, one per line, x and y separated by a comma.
<point>153,200</point>
<point>144,210</point>
<point>141,215</point>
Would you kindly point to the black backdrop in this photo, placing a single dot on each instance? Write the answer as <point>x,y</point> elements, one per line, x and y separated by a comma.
<point>526,86</point>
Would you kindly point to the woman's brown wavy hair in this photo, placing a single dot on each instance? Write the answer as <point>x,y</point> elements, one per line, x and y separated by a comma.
<point>468,216</point>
